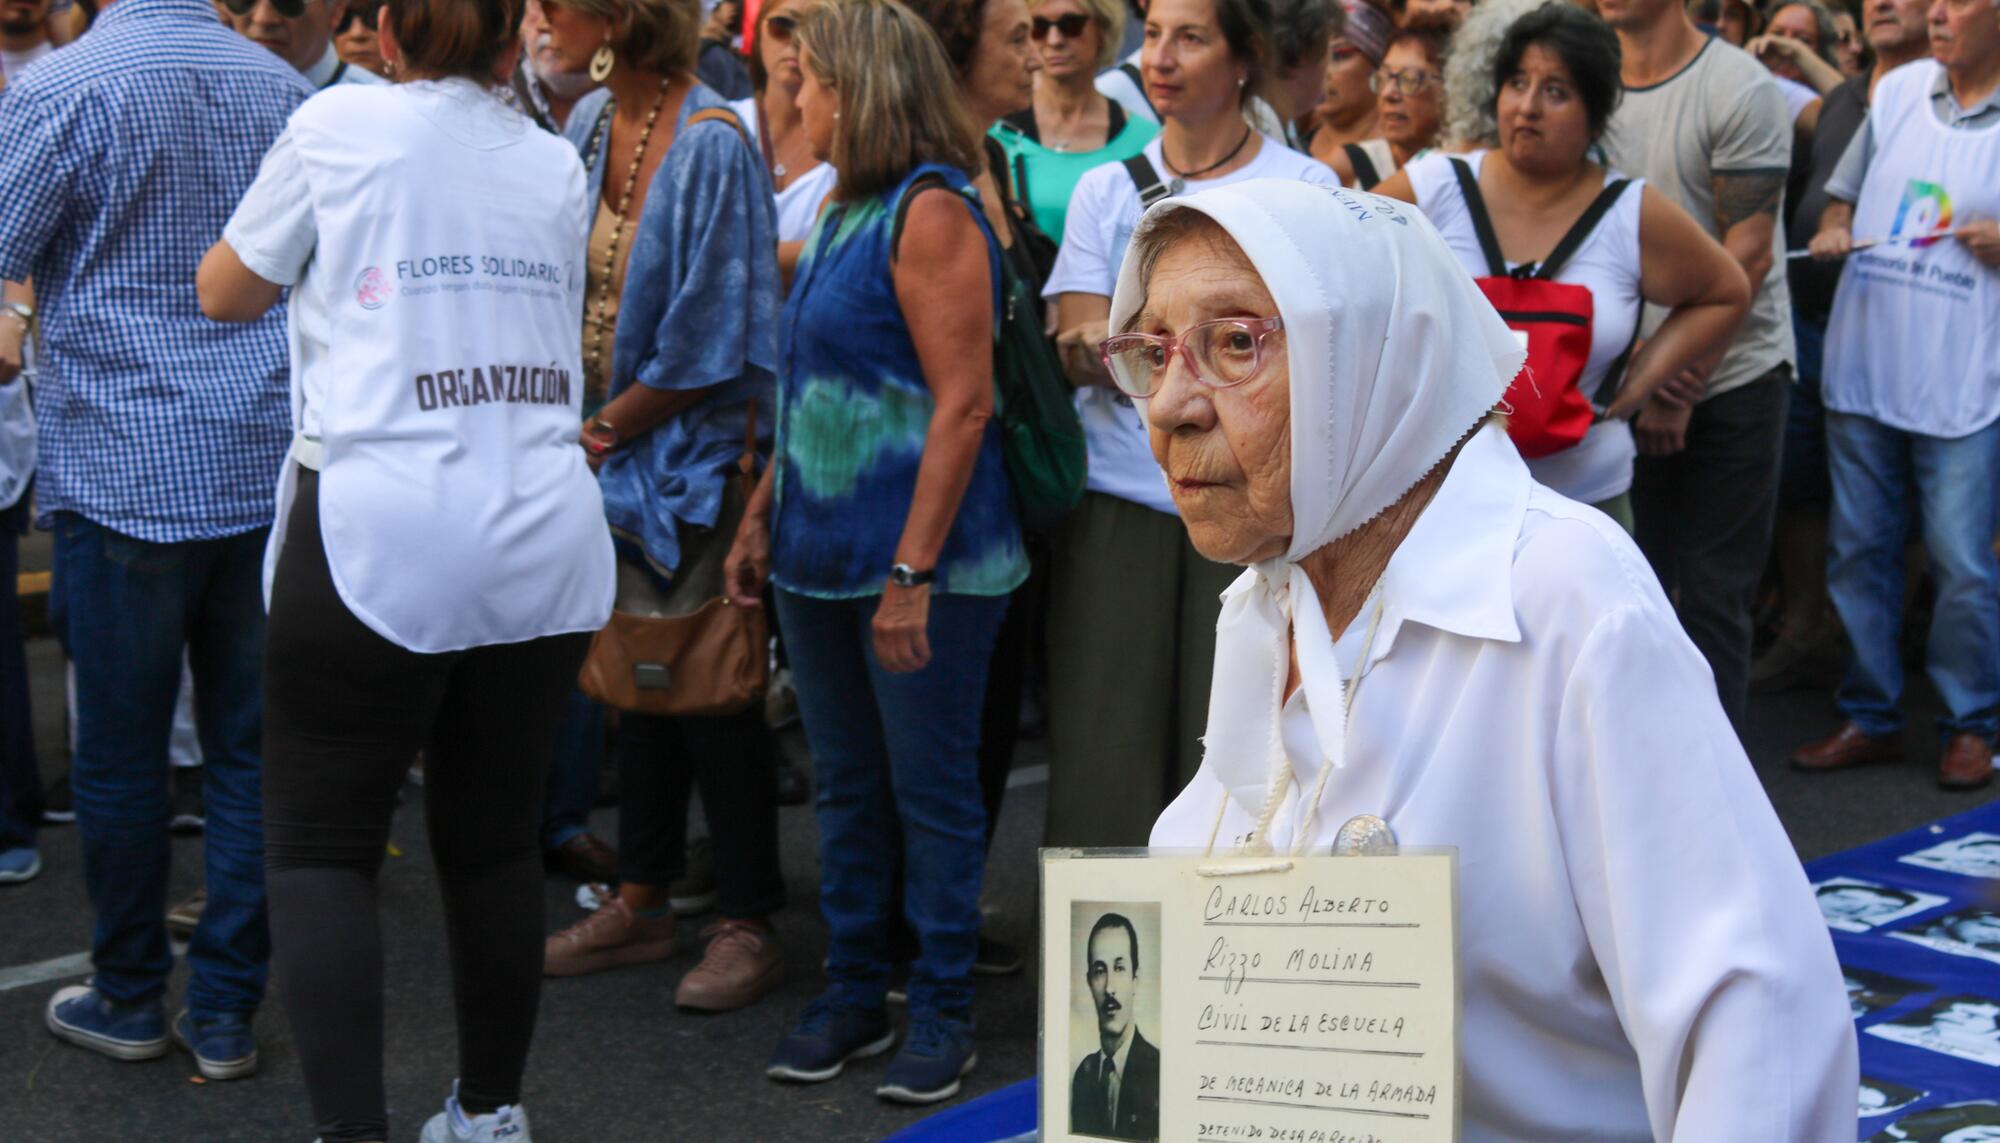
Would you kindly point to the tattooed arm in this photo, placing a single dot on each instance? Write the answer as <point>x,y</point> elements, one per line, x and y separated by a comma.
<point>1746,215</point>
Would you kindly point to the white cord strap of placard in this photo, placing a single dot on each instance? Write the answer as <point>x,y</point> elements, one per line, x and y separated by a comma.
<point>1281,767</point>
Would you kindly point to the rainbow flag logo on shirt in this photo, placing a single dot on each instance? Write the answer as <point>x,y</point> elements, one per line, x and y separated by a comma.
<point>1925,209</point>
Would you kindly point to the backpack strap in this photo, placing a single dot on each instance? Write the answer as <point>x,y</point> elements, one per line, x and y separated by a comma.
<point>1580,233</point>
<point>1482,223</point>
<point>1146,179</point>
<point>1364,167</point>
<point>1614,373</point>
<point>712,114</point>
<point>1131,71</point>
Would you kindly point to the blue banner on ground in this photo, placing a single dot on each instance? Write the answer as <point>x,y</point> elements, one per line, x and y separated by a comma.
<point>1916,921</point>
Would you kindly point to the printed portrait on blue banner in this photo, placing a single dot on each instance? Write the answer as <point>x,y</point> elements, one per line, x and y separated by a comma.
<point>1974,1122</point>
<point>1880,1097</point>
<point>1967,932</point>
<point>1964,1027</point>
<point>1973,855</point>
<point>1852,905</point>
<point>1873,991</point>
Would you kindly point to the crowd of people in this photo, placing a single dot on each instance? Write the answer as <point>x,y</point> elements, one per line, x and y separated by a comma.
<point>365,364</point>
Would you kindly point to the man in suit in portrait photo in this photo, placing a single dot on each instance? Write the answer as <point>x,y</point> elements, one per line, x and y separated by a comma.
<point>1115,1093</point>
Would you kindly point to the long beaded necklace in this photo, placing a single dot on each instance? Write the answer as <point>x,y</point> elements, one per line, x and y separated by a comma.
<point>618,213</point>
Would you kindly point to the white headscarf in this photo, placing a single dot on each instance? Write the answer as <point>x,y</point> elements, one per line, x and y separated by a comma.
<point>1394,356</point>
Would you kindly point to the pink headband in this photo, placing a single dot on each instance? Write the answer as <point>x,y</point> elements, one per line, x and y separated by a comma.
<point>1368,29</point>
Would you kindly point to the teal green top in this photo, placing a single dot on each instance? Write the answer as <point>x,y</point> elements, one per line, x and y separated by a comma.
<point>1044,178</point>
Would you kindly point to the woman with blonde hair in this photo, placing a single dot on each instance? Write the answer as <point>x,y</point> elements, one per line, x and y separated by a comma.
<point>680,323</point>
<point>887,526</point>
<point>1071,126</point>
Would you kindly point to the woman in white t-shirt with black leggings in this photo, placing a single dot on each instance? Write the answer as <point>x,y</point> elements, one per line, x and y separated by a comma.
<point>439,561</point>
<point>1556,82</point>
<point>1132,605</point>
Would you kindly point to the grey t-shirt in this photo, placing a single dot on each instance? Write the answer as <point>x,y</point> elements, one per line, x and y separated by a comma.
<point>1720,115</point>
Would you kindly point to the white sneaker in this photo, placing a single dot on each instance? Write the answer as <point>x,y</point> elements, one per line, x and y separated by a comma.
<point>452,1125</point>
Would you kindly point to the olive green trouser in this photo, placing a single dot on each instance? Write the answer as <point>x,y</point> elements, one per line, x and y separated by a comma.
<point>1131,643</point>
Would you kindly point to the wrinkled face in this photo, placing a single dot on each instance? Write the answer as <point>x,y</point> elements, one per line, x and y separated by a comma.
<point>1898,25</point>
<point>1111,974</point>
<point>779,47</point>
<point>1189,71</point>
<point>20,17</point>
<point>1346,95</point>
<point>1002,78</point>
<point>573,37</point>
<point>1543,124</point>
<point>1227,453</point>
<point>1411,108</point>
<point>819,110</point>
<point>1066,56</point>
<point>1965,34</point>
<point>299,40</point>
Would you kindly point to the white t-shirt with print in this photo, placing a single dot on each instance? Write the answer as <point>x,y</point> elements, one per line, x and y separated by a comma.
<point>1103,212</point>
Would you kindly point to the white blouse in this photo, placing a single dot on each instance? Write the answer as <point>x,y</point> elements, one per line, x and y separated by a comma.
<point>1640,952</point>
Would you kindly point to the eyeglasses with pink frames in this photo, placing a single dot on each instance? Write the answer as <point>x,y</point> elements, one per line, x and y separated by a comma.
<point>1222,353</point>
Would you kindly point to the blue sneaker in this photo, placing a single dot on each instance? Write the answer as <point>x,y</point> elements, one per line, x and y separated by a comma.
<point>81,1015</point>
<point>935,1056</point>
<point>223,1046</point>
<point>23,864</point>
<point>828,1035</point>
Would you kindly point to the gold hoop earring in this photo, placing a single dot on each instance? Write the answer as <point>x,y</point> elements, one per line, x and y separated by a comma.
<point>601,63</point>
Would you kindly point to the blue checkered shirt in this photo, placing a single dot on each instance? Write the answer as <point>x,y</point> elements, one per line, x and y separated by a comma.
<point>121,157</point>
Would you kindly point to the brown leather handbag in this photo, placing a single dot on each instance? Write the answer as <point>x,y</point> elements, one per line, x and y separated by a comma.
<point>714,660</point>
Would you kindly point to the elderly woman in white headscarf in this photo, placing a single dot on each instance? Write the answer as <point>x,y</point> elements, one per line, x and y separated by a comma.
<point>1426,635</point>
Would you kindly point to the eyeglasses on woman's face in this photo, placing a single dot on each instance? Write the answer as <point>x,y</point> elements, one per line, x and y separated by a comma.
<point>358,12</point>
<point>1223,353</point>
<point>781,28</point>
<point>1408,81</point>
<point>1070,24</point>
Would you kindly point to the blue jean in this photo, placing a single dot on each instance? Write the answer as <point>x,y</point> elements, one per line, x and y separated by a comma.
<point>20,778</point>
<point>896,753</point>
<point>1879,475</point>
<point>125,609</point>
<point>575,772</point>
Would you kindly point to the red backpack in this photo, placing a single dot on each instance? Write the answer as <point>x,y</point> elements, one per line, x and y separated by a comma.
<point>1548,412</point>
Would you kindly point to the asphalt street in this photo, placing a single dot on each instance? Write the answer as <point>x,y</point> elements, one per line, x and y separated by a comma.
<point>614,1061</point>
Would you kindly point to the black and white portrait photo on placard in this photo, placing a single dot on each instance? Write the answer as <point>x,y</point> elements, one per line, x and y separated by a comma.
<point>1968,932</point>
<point>1873,991</point>
<point>1115,1089</point>
<point>1880,1097</point>
<point>1855,906</point>
<point>1964,1027</point>
<point>1974,855</point>
<point>1975,1122</point>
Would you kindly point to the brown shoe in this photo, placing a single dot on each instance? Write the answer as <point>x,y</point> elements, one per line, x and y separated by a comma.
<point>1847,747</point>
<point>742,964</point>
<point>612,937</point>
<point>1967,763</point>
<point>584,858</point>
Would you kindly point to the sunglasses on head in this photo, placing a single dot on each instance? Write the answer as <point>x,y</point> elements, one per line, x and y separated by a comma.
<point>1071,25</point>
<point>781,28</point>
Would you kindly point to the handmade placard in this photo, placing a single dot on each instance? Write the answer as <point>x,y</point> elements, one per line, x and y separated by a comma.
<point>1210,1000</point>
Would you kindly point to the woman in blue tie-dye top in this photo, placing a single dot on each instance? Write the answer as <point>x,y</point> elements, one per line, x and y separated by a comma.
<point>888,527</point>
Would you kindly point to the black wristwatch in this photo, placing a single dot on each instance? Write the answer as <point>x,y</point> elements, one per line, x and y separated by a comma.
<point>903,575</point>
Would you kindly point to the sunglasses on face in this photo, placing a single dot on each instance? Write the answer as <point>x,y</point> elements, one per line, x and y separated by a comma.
<point>1405,81</point>
<point>781,28</point>
<point>358,12</point>
<point>289,9</point>
<point>1071,26</point>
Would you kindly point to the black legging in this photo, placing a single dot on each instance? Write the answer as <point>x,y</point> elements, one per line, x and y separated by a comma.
<point>345,711</point>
